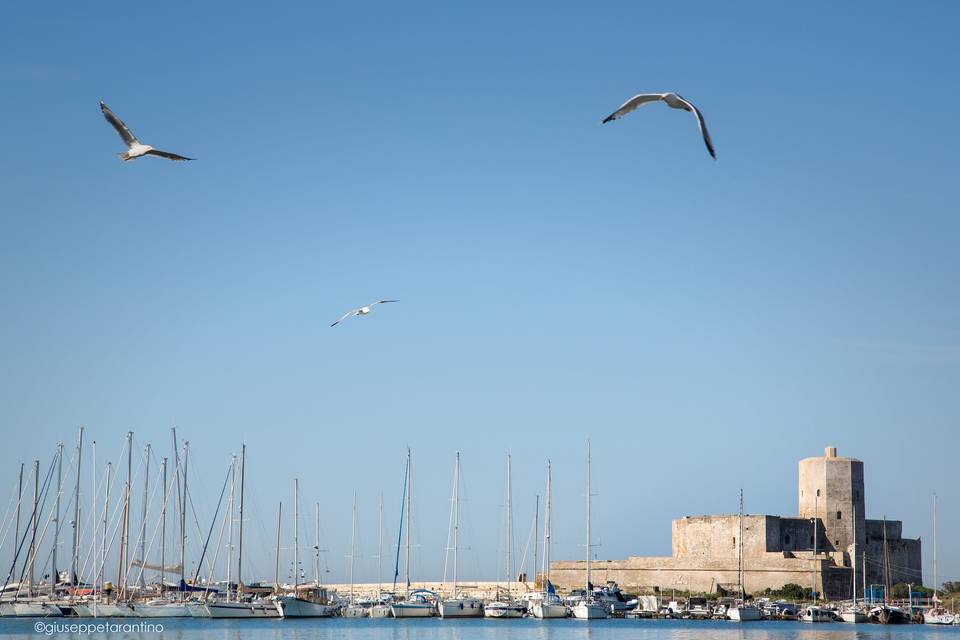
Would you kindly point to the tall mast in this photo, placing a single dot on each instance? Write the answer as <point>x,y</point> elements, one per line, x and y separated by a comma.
<point>536,535</point>
<point>16,538</point>
<point>93,511</point>
<point>353,539</point>
<point>54,572</point>
<point>740,548</point>
<point>163,526</point>
<point>76,512</point>
<point>233,473</point>
<point>183,516</point>
<point>589,586</point>
<point>379,547</point>
<point>936,585</point>
<point>125,538</point>
<point>276,570</point>
<point>546,530</point>
<point>853,559</point>
<point>296,534</point>
<point>510,575</point>
<point>32,557</point>
<point>409,497</point>
<point>316,548</point>
<point>143,514</point>
<point>456,521</point>
<point>243,464</point>
<point>103,542</point>
<point>886,563</point>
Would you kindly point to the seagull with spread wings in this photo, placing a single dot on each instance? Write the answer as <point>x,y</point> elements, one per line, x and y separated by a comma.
<point>134,148</point>
<point>362,311</point>
<point>674,100</point>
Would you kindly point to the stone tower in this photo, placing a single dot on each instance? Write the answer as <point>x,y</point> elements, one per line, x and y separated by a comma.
<point>831,489</point>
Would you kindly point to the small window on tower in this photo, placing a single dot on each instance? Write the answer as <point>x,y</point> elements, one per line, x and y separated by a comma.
<point>734,542</point>
<point>811,541</point>
<point>786,539</point>
<point>818,493</point>
<point>836,543</point>
<point>838,515</point>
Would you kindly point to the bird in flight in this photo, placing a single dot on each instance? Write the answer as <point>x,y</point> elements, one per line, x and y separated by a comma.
<point>673,100</point>
<point>134,148</point>
<point>362,311</point>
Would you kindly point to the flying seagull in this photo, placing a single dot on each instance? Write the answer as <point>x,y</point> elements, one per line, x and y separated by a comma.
<point>673,100</point>
<point>134,148</point>
<point>362,311</point>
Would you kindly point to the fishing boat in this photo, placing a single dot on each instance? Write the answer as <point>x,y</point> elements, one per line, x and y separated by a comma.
<point>548,604</point>
<point>588,608</point>
<point>505,606</point>
<point>420,603</point>
<point>458,605</point>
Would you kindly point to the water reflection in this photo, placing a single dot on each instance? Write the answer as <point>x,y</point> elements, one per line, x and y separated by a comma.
<point>527,629</point>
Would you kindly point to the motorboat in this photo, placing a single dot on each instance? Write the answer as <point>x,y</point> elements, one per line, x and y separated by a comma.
<point>885,614</point>
<point>813,613</point>
<point>312,602</point>
<point>504,609</point>
<point>243,609</point>
<point>461,606</point>
<point>419,604</point>
<point>588,609</point>
<point>744,612</point>
<point>853,615</point>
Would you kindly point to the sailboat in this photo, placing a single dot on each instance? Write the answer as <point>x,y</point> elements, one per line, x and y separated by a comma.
<point>381,607</point>
<point>354,609</point>
<point>742,612</point>
<point>507,607</point>
<point>458,605</point>
<point>240,608</point>
<point>419,603</point>
<point>307,600</point>
<point>588,608</point>
<point>853,614</point>
<point>937,614</point>
<point>549,604</point>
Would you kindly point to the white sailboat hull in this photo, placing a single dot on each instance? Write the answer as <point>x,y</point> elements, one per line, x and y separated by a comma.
<point>381,611</point>
<point>198,610</point>
<point>36,610</point>
<point>547,610</point>
<point>108,611</point>
<point>589,611</point>
<point>242,610</point>
<point>292,607</point>
<point>356,611</point>
<point>167,610</point>
<point>853,617</point>
<point>412,610</point>
<point>461,608</point>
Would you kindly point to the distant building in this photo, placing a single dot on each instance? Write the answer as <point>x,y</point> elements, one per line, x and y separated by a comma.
<point>777,550</point>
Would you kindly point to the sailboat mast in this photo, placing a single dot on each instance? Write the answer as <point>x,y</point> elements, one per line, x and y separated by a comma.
<point>163,525</point>
<point>296,534</point>
<point>409,498</point>
<point>456,521</point>
<point>353,543</point>
<point>183,515</point>
<point>813,588</point>
<point>853,559</point>
<point>936,585</point>
<point>546,529</point>
<point>740,548</point>
<point>276,568</point>
<point>32,556</point>
<point>230,503</point>
<point>76,512</point>
<point>125,540</point>
<point>589,586</point>
<point>54,572</point>
<point>316,552</point>
<point>536,535</point>
<point>19,503</point>
<point>143,516</point>
<point>106,510</point>
<point>380,548</point>
<point>243,464</point>
<point>93,512</point>
<point>509,526</point>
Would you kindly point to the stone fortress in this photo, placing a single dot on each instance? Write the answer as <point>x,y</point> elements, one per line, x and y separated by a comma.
<point>777,550</point>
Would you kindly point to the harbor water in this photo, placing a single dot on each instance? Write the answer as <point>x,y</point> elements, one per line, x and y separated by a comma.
<point>466,629</point>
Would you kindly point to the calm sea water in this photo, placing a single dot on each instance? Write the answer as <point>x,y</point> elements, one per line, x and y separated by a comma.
<point>523,629</point>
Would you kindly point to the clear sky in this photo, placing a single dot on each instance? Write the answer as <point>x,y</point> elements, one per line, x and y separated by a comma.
<point>706,323</point>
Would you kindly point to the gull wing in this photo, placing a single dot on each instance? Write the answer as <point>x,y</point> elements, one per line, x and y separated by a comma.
<point>633,103</point>
<point>352,312</point>
<point>128,138</point>
<point>383,302</point>
<point>167,155</point>
<point>702,124</point>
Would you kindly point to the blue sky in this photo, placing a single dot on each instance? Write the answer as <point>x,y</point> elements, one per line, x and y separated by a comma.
<point>706,323</point>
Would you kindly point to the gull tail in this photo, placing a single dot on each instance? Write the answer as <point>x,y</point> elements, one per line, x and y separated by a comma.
<point>124,156</point>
